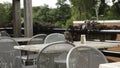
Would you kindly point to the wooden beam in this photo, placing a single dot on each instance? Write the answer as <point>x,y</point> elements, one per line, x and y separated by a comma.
<point>28,21</point>
<point>16,18</point>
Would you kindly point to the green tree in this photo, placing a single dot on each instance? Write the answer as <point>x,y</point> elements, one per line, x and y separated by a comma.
<point>103,7</point>
<point>5,13</point>
<point>110,12</point>
<point>115,9</point>
<point>83,9</point>
<point>54,16</point>
<point>63,11</point>
<point>40,14</point>
<point>69,23</point>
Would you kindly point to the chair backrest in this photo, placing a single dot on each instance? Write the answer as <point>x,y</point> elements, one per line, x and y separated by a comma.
<point>53,51</point>
<point>54,37</point>
<point>9,54</point>
<point>7,44</point>
<point>85,57</point>
<point>37,39</point>
<point>4,34</point>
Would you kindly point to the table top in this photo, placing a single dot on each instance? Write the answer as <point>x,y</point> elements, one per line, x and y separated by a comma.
<point>22,39</point>
<point>34,48</point>
<point>99,44</point>
<point>39,47</point>
<point>110,65</point>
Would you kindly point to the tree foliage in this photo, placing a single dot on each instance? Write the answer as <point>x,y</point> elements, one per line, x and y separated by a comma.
<point>85,9</point>
<point>110,12</point>
<point>64,14</point>
<point>63,11</point>
<point>45,15</point>
<point>82,9</point>
<point>40,14</point>
<point>5,13</point>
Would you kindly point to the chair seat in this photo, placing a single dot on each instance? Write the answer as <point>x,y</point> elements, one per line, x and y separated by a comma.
<point>32,56</point>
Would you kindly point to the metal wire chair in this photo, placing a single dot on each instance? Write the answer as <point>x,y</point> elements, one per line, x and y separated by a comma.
<point>36,39</point>
<point>85,57</point>
<point>11,56</point>
<point>54,55</point>
<point>8,53</point>
<point>4,34</point>
<point>54,37</point>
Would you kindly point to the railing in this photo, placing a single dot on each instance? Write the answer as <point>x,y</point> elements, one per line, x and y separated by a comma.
<point>90,34</point>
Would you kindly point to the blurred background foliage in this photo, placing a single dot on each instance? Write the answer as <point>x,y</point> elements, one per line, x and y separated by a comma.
<point>64,14</point>
<point>5,14</point>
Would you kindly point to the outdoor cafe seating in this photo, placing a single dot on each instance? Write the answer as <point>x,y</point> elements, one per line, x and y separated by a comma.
<point>64,54</point>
